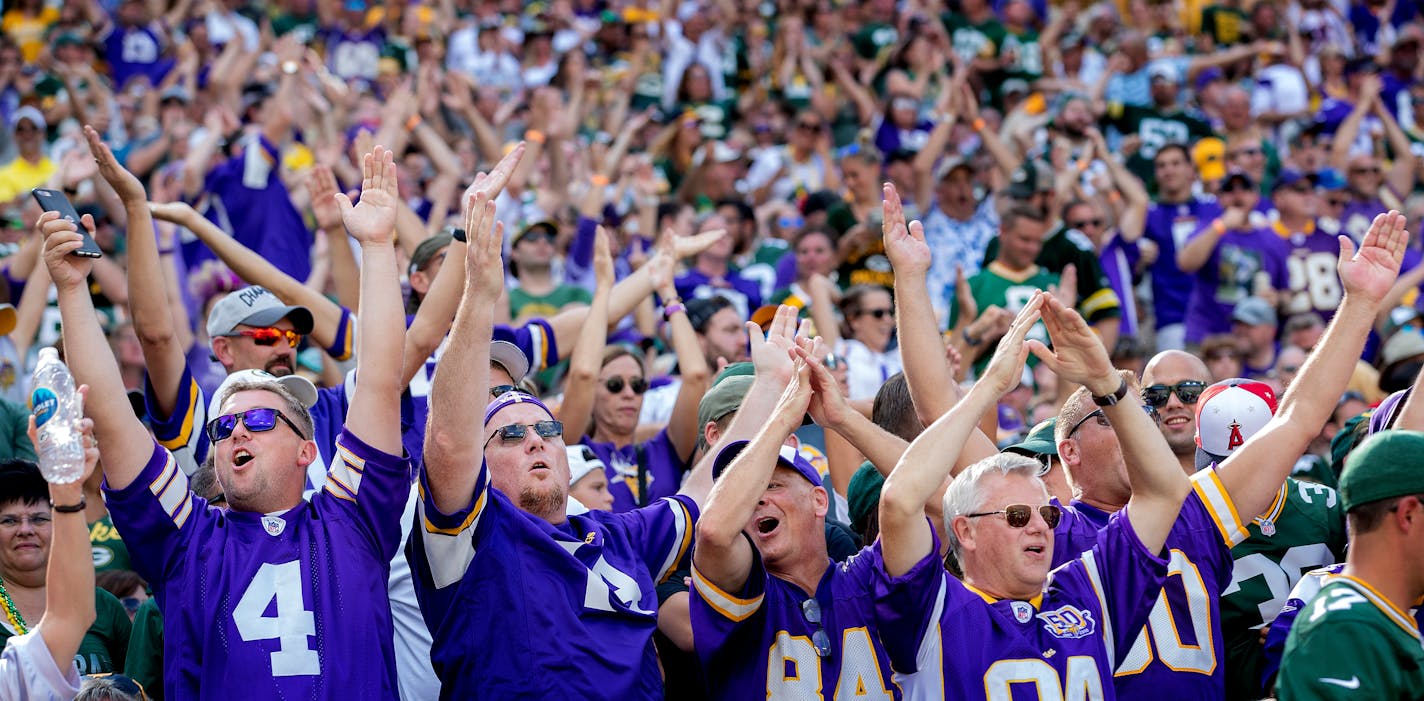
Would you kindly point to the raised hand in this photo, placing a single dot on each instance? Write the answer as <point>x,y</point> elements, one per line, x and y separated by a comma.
<point>493,183</point>
<point>796,398</point>
<point>173,212</point>
<point>964,295</point>
<point>128,187</point>
<point>1066,291</point>
<point>61,238</point>
<point>771,351</point>
<point>1006,366</point>
<point>904,244</point>
<point>602,260</point>
<point>321,186</point>
<point>663,261</point>
<point>1078,354</point>
<point>484,268</point>
<point>828,405</point>
<point>1371,271</point>
<point>374,219</point>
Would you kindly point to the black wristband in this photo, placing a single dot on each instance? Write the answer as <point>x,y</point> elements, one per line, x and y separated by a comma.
<point>70,509</point>
<point>970,339</point>
<point>1113,398</point>
<point>459,235</point>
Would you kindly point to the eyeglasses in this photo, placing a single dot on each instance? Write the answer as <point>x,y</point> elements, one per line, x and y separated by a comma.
<point>811,610</point>
<point>1188,391</point>
<point>537,236</point>
<point>1245,152</point>
<point>269,336</point>
<point>1103,418</point>
<point>615,384</point>
<point>259,420</point>
<point>878,313</point>
<point>1018,515</point>
<point>37,520</point>
<point>1235,187</point>
<point>499,390</point>
<point>1336,201</point>
<point>1095,223</point>
<point>1375,170</point>
<point>808,126</point>
<point>515,433</point>
<point>831,362</point>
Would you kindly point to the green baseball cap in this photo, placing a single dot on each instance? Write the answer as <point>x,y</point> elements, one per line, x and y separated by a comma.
<point>1388,464</point>
<point>1039,440</point>
<point>723,398</point>
<point>863,496</point>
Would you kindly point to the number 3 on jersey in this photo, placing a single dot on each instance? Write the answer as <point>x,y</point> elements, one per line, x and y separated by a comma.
<point>291,625</point>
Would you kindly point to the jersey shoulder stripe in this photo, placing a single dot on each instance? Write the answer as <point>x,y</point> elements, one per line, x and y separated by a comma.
<point>730,607</point>
<point>1207,485</point>
<point>682,527</point>
<point>171,488</point>
<point>1385,606</point>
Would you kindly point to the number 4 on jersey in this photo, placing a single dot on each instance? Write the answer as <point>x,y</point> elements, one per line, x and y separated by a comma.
<point>291,625</point>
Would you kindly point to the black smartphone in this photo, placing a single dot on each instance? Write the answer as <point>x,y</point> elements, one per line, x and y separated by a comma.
<point>55,201</point>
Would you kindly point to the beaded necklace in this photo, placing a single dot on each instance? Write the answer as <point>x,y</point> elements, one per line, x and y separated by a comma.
<point>12,612</point>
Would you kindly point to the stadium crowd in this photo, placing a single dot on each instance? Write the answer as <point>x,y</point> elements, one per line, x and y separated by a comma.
<point>642,349</point>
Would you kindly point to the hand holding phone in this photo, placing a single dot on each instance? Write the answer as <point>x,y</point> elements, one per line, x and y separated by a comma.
<point>55,201</point>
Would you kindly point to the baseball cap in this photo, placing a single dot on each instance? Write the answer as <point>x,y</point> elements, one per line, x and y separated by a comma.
<point>1228,414</point>
<point>1383,467</point>
<point>300,387</point>
<point>30,113</point>
<point>508,356</point>
<point>543,224</point>
<point>788,457</point>
<point>1398,317</point>
<point>951,164</point>
<point>1039,440</point>
<point>1209,155</point>
<point>582,461</point>
<point>1254,311</point>
<point>1235,174</point>
<point>1291,176</point>
<point>1011,426</point>
<point>1384,415</point>
<point>175,92</point>
<point>428,249</point>
<point>1400,350</point>
<point>1329,179</point>
<point>255,306</point>
<point>701,310</point>
<point>1303,320</point>
<point>1161,71</point>
<point>1207,77</point>
<point>1014,85</point>
<point>863,496</point>
<point>723,398</point>
<point>1029,179</point>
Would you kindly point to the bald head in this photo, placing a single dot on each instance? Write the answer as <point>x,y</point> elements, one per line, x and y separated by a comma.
<point>1178,419</point>
<point>1172,366</point>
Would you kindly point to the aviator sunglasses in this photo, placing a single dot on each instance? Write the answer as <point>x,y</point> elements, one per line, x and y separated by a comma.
<point>1018,515</point>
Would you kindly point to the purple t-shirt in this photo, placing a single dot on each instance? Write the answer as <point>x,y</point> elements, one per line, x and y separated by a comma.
<point>1169,226</point>
<point>661,466</point>
<point>1229,276</point>
<point>1314,284</point>
<point>282,606</point>
<point>757,643</point>
<point>947,640</point>
<point>744,294</point>
<point>135,51</point>
<point>523,609</point>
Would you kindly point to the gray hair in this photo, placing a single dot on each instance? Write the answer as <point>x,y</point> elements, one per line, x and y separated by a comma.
<point>966,495</point>
<point>293,410</point>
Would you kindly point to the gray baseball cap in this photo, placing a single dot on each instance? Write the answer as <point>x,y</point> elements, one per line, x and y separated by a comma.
<point>255,306</point>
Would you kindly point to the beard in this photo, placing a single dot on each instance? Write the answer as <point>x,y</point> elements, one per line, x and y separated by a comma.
<point>544,503</point>
<point>280,366</point>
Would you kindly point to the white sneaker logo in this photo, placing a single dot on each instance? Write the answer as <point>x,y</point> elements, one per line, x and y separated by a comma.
<point>1352,683</point>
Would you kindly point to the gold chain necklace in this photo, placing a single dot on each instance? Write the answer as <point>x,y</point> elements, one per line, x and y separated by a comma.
<point>12,612</point>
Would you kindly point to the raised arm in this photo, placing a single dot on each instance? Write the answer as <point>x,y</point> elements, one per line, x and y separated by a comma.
<point>925,467</point>
<point>581,386</point>
<point>374,415</point>
<point>830,410</point>
<point>345,274</point>
<point>1253,473</point>
<point>682,427</point>
<point>69,577</point>
<point>454,436</point>
<point>1199,247</point>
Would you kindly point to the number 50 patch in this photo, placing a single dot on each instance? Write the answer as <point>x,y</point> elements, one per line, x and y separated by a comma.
<point>1068,622</point>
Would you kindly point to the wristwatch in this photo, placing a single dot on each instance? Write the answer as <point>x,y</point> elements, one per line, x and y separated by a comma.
<point>458,234</point>
<point>290,67</point>
<point>1113,398</point>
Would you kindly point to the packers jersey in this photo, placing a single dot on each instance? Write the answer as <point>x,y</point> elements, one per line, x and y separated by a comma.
<point>1304,529</point>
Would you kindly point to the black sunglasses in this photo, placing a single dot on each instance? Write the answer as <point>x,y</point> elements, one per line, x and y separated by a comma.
<point>1188,391</point>
<point>515,433</point>
<point>1095,223</point>
<point>499,390</point>
<point>615,384</point>
<point>879,313</point>
<point>256,420</point>
<point>811,610</point>
<point>1018,515</point>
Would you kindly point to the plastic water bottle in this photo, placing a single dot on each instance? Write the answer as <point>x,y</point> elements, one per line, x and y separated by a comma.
<point>55,405</point>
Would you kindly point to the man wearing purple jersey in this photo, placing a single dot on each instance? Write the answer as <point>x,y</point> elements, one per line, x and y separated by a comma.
<point>1313,285</point>
<point>1008,625</point>
<point>1232,259</point>
<point>1171,220</point>
<point>276,597</point>
<point>513,590</point>
<point>772,616</point>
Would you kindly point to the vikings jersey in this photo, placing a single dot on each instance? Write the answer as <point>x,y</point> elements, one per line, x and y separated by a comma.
<point>1230,274</point>
<point>521,608</point>
<point>947,640</point>
<point>772,640</point>
<point>656,457</point>
<point>1169,226</point>
<point>290,605</point>
<point>1314,284</point>
<point>1303,529</point>
<point>1181,645</point>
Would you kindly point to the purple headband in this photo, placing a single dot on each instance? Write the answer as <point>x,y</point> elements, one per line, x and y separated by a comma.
<point>514,397</point>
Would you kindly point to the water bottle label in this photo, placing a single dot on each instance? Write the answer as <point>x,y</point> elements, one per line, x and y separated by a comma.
<point>44,405</point>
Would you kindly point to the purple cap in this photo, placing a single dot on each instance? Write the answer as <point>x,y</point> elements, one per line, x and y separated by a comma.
<point>509,398</point>
<point>1290,176</point>
<point>789,457</point>
<point>1387,412</point>
<point>1207,77</point>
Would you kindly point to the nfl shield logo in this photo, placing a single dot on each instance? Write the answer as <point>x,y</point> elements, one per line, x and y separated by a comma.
<point>274,525</point>
<point>1022,611</point>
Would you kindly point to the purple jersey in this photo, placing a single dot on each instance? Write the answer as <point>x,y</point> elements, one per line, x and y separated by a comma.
<point>135,51</point>
<point>1230,275</point>
<point>758,643</point>
<point>1169,226</point>
<point>1314,285</point>
<point>948,640</point>
<point>1181,644</point>
<point>520,608</point>
<point>271,606</point>
<point>655,458</point>
<point>1357,215</point>
<point>743,293</point>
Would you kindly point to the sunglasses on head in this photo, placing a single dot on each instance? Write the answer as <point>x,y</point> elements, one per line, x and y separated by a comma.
<point>256,420</point>
<point>499,390</point>
<point>615,384</point>
<point>515,433</point>
<point>1188,391</point>
<point>1018,515</point>
<point>269,336</point>
<point>878,313</point>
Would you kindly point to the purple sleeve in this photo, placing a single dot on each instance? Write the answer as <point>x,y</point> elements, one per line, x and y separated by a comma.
<point>720,617</point>
<point>907,608</point>
<point>536,339</point>
<point>158,515</point>
<point>345,342</point>
<point>372,484</point>
<point>663,531</point>
<point>578,265</point>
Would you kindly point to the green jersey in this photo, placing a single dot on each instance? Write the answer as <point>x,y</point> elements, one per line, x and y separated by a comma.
<point>974,40</point>
<point>105,644</point>
<point>874,38</point>
<point>1156,129</point>
<point>1313,468</point>
<point>1096,299</point>
<point>1024,55</point>
<point>996,286</point>
<point>1302,530</point>
<point>1351,643</point>
<point>110,553</point>
<point>145,659</point>
<point>1224,24</point>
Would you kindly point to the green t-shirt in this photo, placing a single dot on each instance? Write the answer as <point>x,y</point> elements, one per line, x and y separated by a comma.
<point>546,306</point>
<point>1224,24</point>
<point>106,644</point>
<point>1351,643</point>
<point>1096,299</point>
<point>992,286</point>
<point>970,40</point>
<point>110,553</point>
<point>1026,54</point>
<point>874,38</point>
<point>1156,129</point>
<point>145,660</point>
<point>1303,529</point>
<point>717,117</point>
